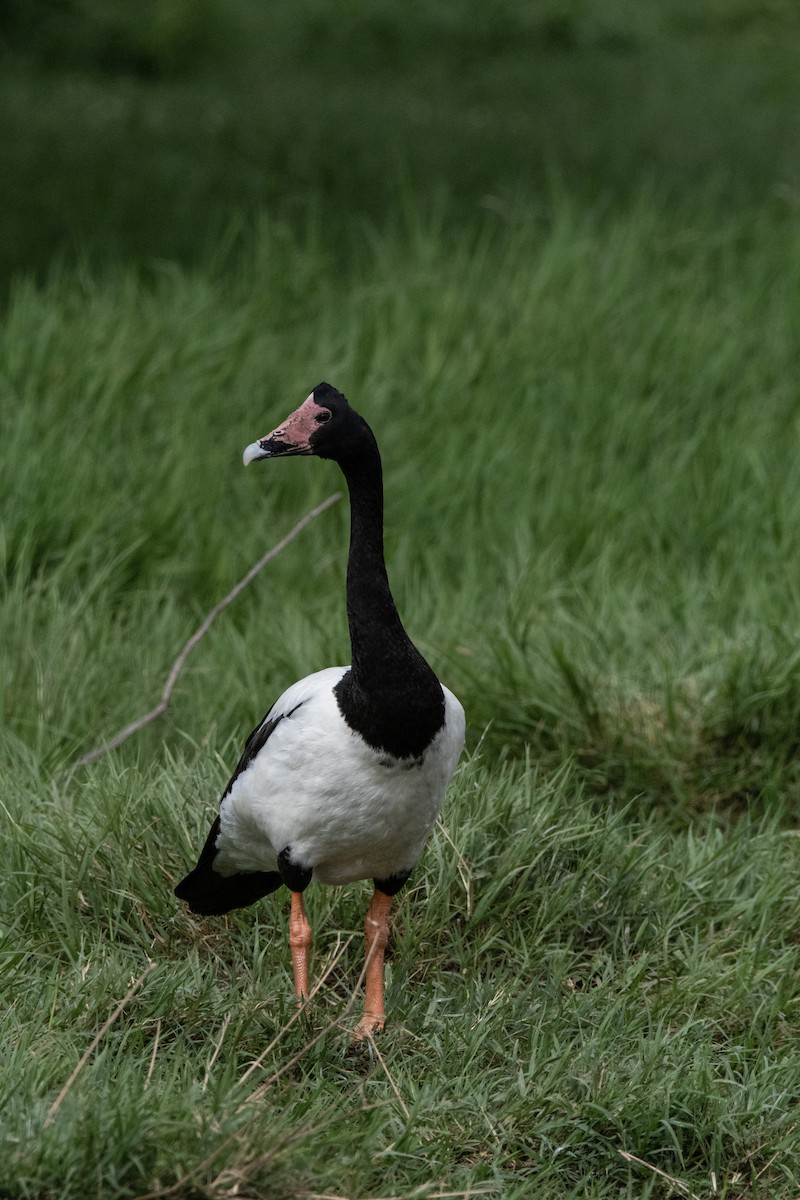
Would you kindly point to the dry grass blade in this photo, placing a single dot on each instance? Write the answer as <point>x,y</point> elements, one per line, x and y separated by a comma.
<point>678,1183</point>
<point>264,1087</point>
<point>95,1042</point>
<point>464,872</point>
<point>256,1064</point>
<point>388,1075</point>
<point>217,1049</point>
<point>771,1160</point>
<point>420,1193</point>
<point>152,1065</point>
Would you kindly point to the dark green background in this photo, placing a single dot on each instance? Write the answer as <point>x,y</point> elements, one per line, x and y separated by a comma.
<point>141,132</point>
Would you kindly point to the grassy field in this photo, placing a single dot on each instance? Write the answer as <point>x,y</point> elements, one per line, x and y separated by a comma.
<point>552,253</point>
<point>590,430</point>
<point>130,135</point>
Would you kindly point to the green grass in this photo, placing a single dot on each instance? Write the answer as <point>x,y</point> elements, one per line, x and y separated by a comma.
<point>590,429</point>
<point>133,131</point>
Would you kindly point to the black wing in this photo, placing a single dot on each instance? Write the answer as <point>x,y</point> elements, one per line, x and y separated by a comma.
<point>204,889</point>
<point>256,741</point>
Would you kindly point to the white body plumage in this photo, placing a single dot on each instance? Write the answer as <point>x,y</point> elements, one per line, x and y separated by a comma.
<point>347,811</point>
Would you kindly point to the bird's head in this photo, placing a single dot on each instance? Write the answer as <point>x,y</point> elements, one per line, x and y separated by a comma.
<point>324,425</point>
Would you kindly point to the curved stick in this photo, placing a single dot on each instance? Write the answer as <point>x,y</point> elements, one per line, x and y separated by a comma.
<point>202,629</point>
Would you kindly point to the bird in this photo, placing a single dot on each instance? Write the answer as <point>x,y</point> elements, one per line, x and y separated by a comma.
<point>344,777</point>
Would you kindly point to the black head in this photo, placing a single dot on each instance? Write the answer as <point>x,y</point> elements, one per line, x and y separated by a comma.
<point>324,425</point>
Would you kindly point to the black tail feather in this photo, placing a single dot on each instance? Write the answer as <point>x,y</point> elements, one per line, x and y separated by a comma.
<point>211,894</point>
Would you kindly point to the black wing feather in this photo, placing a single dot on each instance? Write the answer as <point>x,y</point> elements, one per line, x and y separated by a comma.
<point>204,889</point>
<point>255,742</point>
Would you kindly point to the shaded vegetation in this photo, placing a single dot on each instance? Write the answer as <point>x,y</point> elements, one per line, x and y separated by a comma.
<point>552,252</point>
<point>592,519</point>
<point>136,130</point>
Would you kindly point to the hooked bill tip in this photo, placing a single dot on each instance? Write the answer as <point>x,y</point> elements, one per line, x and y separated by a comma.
<point>254,451</point>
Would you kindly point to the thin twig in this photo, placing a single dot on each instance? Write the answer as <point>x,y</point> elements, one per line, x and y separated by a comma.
<point>104,1028</point>
<point>202,629</point>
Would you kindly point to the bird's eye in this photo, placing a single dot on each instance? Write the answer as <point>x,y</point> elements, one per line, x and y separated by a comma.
<point>323,416</point>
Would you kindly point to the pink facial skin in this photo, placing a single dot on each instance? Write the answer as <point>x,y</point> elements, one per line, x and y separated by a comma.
<point>298,427</point>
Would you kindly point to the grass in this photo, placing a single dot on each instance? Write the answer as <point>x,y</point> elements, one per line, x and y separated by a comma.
<point>589,426</point>
<point>133,131</point>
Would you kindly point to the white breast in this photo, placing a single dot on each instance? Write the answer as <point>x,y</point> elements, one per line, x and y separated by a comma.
<point>346,810</point>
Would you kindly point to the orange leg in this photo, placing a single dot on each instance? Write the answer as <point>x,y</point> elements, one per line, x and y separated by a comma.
<point>300,941</point>
<point>376,935</point>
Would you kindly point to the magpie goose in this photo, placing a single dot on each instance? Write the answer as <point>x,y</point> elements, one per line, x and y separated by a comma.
<point>344,777</point>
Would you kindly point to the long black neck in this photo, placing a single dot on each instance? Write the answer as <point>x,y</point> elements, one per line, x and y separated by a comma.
<point>390,696</point>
